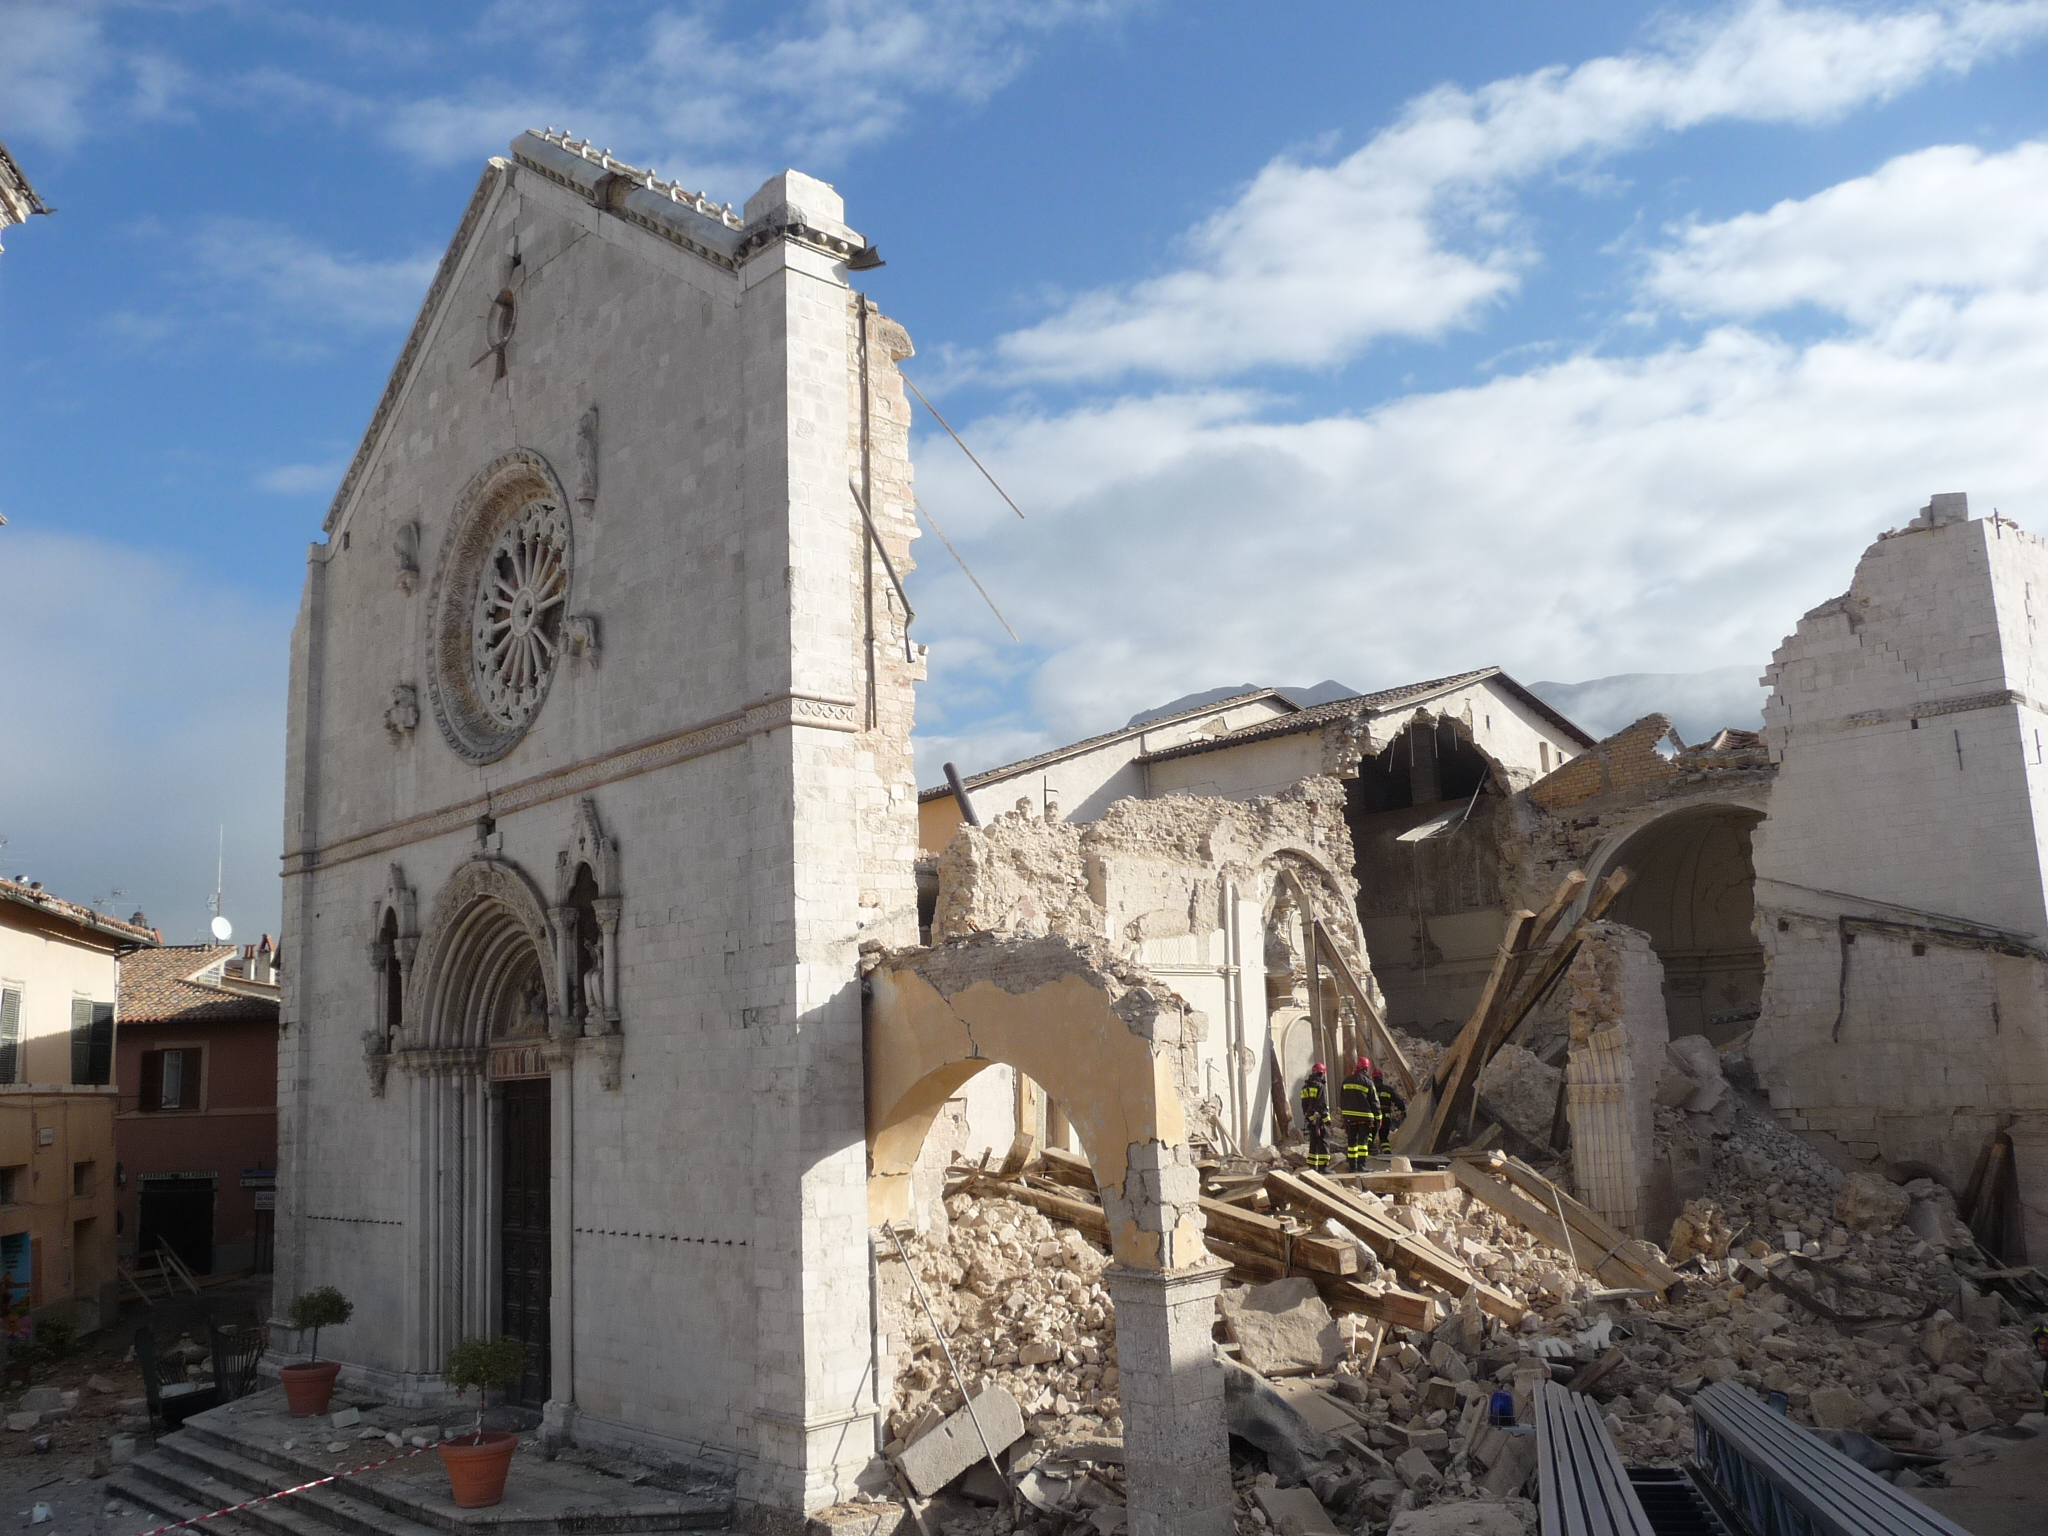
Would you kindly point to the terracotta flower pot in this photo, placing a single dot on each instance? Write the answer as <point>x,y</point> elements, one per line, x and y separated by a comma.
<point>477,1465</point>
<point>308,1388</point>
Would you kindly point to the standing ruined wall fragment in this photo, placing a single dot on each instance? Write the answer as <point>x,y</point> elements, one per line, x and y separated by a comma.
<point>1900,874</point>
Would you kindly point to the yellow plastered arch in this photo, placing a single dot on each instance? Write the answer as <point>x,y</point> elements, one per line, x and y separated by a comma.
<point>1115,1087</point>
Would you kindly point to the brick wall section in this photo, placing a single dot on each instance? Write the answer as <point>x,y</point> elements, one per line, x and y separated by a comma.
<point>1626,760</point>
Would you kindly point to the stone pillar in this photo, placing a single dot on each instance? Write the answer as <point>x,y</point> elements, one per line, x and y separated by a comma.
<point>1619,1033</point>
<point>1176,1452</point>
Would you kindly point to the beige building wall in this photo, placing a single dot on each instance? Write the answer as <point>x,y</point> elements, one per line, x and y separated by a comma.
<point>57,1139</point>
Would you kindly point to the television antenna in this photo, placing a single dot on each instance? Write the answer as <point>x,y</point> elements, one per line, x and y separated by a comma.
<point>222,929</point>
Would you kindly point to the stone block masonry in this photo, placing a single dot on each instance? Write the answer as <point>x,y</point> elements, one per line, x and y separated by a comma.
<point>1901,896</point>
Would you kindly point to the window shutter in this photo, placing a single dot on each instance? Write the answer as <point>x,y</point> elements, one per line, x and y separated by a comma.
<point>10,1034</point>
<point>81,1040</point>
<point>101,1065</point>
<point>152,1096</point>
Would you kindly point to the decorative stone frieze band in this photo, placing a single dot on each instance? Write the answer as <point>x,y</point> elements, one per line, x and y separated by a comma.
<point>815,711</point>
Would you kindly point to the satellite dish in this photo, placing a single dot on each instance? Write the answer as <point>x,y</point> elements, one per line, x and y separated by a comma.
<point>223,930</point>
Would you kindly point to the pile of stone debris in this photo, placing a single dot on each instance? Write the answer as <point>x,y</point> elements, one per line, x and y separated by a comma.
<point>1866,1304</point>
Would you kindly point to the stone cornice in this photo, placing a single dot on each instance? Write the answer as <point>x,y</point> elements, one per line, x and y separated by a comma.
<point>813,711</point>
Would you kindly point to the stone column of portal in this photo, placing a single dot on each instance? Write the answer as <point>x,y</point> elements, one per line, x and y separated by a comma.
<point>1176,1451</point>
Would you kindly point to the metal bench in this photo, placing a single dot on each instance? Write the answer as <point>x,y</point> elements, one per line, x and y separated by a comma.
<point>1775,1478</point>
<point>1584,1487</point>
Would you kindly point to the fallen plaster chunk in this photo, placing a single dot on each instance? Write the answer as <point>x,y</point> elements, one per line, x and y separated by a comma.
<point>1282,1326</point>
<point>947,1451</point>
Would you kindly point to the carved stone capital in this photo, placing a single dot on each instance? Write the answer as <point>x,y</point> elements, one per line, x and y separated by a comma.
<point>611,1050</point>
<point>376,1060</point>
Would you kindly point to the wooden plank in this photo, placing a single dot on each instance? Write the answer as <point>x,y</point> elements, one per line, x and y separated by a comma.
<point>1423,1181</point>
<point>1264,1234</point>
<point>1090,1219</point>
<point>1387,1046</point>
<point>1585,1220</point>
<point>1459,1064</point>
<point>1408,1253</point>
<point>1396,1308</point>
<point>1070,1168</point>
<point>1532,1218</point>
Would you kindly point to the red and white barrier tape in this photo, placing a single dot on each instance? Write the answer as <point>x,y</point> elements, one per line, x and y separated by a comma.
<point>334,1477</point>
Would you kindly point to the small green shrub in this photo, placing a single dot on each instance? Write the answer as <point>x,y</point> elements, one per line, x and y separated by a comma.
<point>488,1365</point>
<point>324,1308</point>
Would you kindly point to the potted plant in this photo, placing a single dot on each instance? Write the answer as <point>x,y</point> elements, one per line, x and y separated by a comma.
<point>309,1386</point>
<point>478,1461</point>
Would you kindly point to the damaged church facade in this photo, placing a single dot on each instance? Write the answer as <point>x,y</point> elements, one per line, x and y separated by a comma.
<point>638,993</point>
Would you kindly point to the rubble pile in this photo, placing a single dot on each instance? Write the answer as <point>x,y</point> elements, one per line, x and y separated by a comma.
<point>1022,1304</point>
<point>1851,1296</point>
<point>1518,1085</point>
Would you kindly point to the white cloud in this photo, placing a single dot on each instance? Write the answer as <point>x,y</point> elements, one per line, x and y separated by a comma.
<point>51,56</point>
<point>1949,220</point>
<point>716,105</point>
<point>146,701</point>
<point>1413,233</point>
<point>301,479</point>
<point>1668,512</point>
<point>282,278</point>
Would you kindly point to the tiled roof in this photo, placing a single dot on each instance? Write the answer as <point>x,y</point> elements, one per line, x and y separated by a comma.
<point>1073,749</point>
<point>34,896</point>
<point>157,987</point>
<point>1383,702</point>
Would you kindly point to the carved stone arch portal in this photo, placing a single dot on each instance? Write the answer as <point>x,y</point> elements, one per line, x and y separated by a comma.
<point>1103,1044</point>
<point>489,935</point>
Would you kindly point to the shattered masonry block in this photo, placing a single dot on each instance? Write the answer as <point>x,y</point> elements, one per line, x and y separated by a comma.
<point>942,1455</point>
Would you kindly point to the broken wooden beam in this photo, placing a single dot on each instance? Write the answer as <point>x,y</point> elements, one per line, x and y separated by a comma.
<point>1064,1167</point>
<point>1525,1213</point>
<point>1271,1237</point>
<point>1397,1308</point>
<point>1088,1217</point>
<point>1583,1219</point>
<point>1422,1181</point>
<point>1407,1253</point>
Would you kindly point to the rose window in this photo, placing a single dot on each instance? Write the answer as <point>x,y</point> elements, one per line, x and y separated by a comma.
<point>516,625</point>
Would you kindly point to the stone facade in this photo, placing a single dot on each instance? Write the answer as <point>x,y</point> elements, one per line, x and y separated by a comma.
<point>643,447</point>
<point>1900,887</point>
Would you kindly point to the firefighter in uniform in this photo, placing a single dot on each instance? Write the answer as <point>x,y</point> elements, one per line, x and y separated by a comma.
<point>1361,1114</point>
<point>1393,1109</point>
<point>1315,1117</point>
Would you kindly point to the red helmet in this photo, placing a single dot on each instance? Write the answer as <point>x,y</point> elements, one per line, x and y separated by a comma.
<point>1365,1063</point>
<point>1316,1070</point>
<point>1376,1075</point>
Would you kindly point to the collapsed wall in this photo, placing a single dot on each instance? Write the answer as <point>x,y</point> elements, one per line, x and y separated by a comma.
<point>1899,875</point>
<point>1210,896</point>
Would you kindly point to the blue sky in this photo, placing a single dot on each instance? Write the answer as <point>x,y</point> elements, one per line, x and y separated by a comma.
<point>1318,340</point>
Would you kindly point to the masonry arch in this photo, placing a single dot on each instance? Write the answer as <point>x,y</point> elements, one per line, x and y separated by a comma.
<point>1103,1043</point>
<point>484,960</point>
<point>1693,893</point>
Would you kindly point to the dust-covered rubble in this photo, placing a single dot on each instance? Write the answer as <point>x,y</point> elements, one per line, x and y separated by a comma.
<point>1385,1425</point>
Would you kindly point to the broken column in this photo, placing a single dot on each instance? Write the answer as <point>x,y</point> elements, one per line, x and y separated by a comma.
<point>1619,1033</point>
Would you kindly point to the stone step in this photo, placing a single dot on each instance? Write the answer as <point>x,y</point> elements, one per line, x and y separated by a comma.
<point>333,1505</point>
<point>251,1447</point>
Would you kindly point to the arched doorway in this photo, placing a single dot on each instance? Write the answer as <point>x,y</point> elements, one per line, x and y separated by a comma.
<point>483,1064</point>
<point>1693,893</point>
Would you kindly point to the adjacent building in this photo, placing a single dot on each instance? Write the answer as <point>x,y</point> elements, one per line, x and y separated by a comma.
<point>18,199</point>
<point>196,1131</point>
<point>59,994</point>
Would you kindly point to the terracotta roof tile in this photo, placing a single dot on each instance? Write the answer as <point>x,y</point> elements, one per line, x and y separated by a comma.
<point>28,895</point>
<point>157,987</point>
